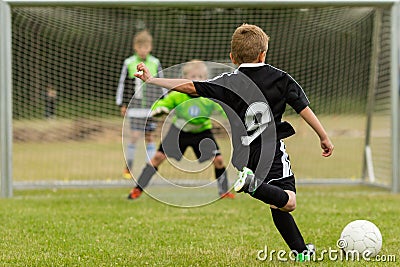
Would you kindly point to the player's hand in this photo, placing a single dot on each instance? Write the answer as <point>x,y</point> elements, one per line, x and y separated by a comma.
<point>123,111</point>
<point>327,147</point>
<point>158,112</point>
<point>143,72</point>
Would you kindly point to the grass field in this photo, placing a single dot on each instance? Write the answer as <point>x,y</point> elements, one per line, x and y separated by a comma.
<point>99,227</point>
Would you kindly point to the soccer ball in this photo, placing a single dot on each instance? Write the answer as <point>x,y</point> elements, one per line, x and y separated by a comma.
<point>361,236</point>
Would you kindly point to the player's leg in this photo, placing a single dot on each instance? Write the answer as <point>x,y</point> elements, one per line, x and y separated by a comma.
<point>278,190</point>
<point>220,174</point>
<point>265,190</point>
<point>150,169</point>
<point>289,230</point>
<point>222,177</point>
<point>171,146</point>
<point>282,202</point>
<point>286,224</point>
<point>282,199</point>
<point>147,173</point>
<point>205,148</point>
<point>276,196</point>
<point>149,138</point>
<point>130,150</point>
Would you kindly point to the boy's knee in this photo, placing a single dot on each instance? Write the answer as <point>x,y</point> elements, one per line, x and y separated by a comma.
<point>291,204</point>
<point>289,207</point>
<point>157,159</point>
<point>219,162</point>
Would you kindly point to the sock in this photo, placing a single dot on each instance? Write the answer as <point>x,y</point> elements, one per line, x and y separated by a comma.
<point>271,194</point>
<point>145,177</point>
<point>151,151</point>
<point>288,229</point>
<point>130,153</point>
<point>222,180</point>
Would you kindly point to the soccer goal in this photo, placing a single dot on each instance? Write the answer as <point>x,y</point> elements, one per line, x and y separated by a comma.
<point>61,62</point>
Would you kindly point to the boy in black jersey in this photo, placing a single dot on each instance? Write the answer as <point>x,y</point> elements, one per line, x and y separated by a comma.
<point>254,98</point>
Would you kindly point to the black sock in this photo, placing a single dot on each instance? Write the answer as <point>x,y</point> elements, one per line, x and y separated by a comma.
<point>271,194</point>
<point>222,180</point>
<point>288,229</point>
<point>145,177</point>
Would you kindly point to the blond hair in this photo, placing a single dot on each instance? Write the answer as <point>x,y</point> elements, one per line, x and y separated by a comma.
<point>195,64</point>
<point>142,37</point>
<point>248,41</point>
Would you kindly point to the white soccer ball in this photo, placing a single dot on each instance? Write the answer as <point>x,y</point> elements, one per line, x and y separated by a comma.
<point>361,236</point>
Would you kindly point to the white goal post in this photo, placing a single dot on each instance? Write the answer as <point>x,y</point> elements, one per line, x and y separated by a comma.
<point>396,96</point>
<point>391,57</point>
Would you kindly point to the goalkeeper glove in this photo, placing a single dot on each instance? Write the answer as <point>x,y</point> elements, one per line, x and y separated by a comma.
<point>159,112</point>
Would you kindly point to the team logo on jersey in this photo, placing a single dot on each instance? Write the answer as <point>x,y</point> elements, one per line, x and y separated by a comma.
<point>194,111</point>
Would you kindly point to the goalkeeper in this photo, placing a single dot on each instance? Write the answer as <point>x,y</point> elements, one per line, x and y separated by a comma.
<point>191,125</point>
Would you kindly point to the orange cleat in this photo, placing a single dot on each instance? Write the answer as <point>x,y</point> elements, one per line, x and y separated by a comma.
<point>135,193</point>
<point>228,195</point>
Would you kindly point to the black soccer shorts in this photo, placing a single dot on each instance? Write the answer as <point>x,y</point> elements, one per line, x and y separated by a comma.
<point>280,173</point>
<point>176,142</point>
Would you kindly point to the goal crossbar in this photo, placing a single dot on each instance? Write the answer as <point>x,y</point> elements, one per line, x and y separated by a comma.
<point>223,3</point>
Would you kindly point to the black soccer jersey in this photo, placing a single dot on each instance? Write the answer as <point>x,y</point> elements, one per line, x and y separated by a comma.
<point>254,97</point>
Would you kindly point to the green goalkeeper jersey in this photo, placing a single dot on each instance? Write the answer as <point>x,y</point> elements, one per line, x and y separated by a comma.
<point>192,114</point>
<point>131,91</point>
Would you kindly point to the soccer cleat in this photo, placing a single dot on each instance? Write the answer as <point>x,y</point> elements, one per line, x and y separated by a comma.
<point>302,257</point>
<point>135,193</point>
<point>310,248</point>
<point>227,195</point>
<point>246,177</point>
<point>127,174</point>
<point>306,255</point>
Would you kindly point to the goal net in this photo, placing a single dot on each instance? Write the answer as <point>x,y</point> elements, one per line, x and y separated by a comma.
<point>67,64</point>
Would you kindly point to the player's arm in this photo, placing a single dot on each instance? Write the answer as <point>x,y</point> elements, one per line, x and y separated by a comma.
<point>122,97</point>
<point>308,115</point>
<point>181,85</point>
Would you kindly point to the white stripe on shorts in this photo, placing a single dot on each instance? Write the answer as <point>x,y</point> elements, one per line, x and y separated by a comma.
<point>286,170</point>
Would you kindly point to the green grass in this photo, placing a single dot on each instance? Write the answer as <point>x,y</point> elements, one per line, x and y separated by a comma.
<point>99,227</point>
